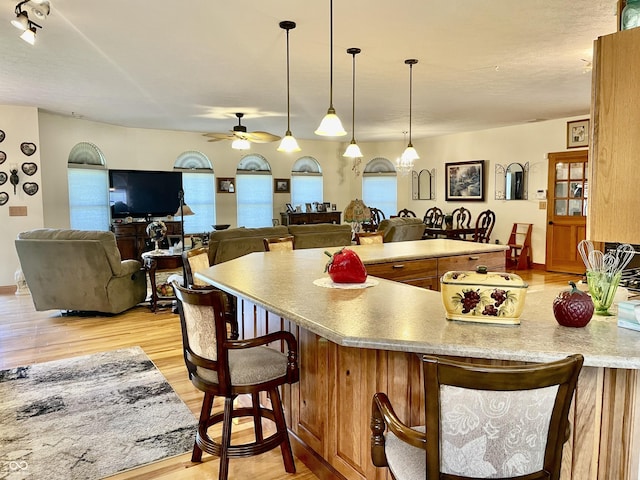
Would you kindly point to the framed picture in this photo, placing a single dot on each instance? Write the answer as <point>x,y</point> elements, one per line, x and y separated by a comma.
<point>578,133</point>
<point>281,185</point>
<point>464,181</point>
<point>225,185</point>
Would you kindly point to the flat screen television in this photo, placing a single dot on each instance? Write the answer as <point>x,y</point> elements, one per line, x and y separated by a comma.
<point>144,193</point>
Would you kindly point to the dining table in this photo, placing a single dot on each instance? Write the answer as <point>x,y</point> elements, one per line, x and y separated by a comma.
<point>451,233</point>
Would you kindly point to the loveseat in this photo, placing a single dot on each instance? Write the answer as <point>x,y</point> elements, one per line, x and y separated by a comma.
<point>79,270</point>
<point>228,244</point>
<point>400,229</point>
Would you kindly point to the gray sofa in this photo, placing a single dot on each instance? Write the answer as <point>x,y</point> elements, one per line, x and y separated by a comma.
<point>228,244</point>
<point>79,270</point>
<point>400,229</point>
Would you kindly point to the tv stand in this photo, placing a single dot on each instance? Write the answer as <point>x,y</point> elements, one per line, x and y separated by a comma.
<point>132,237</point>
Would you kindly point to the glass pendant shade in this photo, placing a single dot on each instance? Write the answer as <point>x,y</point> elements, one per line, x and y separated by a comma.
<point>331,126</point>
<point>288,144</point>
<point>240,144</point>
<point>21,21</point>
<point>353,150</point>
<point>410,154</point>
<point>29,36</point>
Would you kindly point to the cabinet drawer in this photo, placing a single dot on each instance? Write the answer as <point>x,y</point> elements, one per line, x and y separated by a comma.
<point>493,261</point>
<point>404,271</point>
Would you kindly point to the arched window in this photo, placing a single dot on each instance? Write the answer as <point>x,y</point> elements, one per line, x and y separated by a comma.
<point>198,183</point>
<point>380,186</point>
<point>88,182</point>
<point>254,192</point>
<point>306,181</point>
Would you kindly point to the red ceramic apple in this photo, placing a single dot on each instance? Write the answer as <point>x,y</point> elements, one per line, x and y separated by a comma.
<point>345,266</point>
<point>573,308</point>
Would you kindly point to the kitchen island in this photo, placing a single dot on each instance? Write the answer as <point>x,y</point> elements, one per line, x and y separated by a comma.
<point>355,342</point>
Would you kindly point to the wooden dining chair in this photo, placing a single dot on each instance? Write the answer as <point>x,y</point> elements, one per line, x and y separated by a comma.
<point>279,244</point>
<point>406,213</point>
<point>484,226</point>
<point>433,217</point>
<point>227,368</point>
<point>461,219</point>
<point>369,238</point>
<point>472,412</point>
<point>377,216</point>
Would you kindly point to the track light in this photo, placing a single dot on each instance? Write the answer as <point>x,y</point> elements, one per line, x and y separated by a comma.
<point>21,22</point>
<point>39,9</point>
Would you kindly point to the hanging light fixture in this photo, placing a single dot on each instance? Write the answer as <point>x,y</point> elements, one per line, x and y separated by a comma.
<point>353,150</point>
<point>22,21</point>
<point>405,163</point>
<point>288,143</point>
<point>331,126</point>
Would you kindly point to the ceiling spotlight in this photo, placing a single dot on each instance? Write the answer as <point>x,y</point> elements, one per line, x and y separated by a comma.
<point>21,21</point>
<point>29,35</point>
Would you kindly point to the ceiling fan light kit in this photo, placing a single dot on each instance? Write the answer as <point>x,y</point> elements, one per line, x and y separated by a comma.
<point>288,144</point>
<point>331,126</point>
<point>241,139</point>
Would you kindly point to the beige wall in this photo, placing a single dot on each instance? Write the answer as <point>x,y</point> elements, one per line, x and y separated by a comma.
<point>157,150</point>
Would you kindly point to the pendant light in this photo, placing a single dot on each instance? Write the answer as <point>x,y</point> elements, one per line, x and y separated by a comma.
<point>331,126</point>
<point>288,143</point>
<point>410,154</point>
<point>353,150</point>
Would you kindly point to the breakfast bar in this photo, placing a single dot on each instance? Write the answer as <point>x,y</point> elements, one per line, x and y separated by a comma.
<point>355,342</point>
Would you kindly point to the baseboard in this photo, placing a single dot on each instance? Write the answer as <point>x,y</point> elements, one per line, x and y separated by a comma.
<point>539,266</point>
<point>7,289</point>
<point>312,460</point>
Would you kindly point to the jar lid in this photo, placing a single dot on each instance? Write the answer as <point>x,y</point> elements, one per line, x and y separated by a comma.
<point>482,277</point>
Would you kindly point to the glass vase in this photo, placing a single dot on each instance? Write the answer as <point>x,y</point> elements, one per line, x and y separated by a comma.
<point>602,288</point>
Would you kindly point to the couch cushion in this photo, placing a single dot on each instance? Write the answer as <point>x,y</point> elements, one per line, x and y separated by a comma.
<point>228,244</point>
<point>400,229</point>
<point>321,235</point>
<point>106,239</point>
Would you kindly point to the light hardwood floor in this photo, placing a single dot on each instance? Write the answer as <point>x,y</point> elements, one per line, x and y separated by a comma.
<point>27,336</point>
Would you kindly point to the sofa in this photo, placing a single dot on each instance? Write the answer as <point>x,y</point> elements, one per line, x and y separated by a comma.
<point>400,229</point>
<point>79,270</point>
<point>228,244</point>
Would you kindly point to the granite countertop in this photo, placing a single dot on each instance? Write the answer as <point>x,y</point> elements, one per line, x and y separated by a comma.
<point>400,317</point>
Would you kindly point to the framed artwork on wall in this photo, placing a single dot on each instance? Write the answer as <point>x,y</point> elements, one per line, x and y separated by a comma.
<point>464,181</point>
<point>225,185</point>
<point>578,133</point>
<point>281,185</point>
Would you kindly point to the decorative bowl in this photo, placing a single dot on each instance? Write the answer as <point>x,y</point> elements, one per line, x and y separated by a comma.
<point>483,297</point>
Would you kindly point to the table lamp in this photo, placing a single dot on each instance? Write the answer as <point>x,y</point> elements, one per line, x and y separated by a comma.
<point>356,213</point>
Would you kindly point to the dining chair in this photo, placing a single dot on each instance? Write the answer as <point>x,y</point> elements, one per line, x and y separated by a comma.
<point>279,244</point>
<point>484,226</point>
<point>369,238</point>
<point>433,217</point>
<point>499,421</point>
<point>222,367</point>
<point>406,213</point>
<point>461,219</point>
<point>377,216</point>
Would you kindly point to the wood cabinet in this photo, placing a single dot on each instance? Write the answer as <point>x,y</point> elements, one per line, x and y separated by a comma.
<point>132,238</point>
<point>426,272</point>
<point>614,202</point>
<point>295,218</point>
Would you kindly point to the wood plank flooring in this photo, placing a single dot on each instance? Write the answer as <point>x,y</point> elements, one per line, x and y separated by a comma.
<point>27,336</point>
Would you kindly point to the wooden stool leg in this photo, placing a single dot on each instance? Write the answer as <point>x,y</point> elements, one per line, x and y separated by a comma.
<point>257,418</point>
<point>281,425</point>
<point>226,438</point>
<point>205,414</point>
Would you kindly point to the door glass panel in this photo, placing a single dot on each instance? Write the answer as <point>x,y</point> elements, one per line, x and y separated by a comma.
<point>585,192</point>
<point>576,171</point>
<point>586,170</point>
<point>576,189</point>
<point>561,207</point>
<point>561,189</point>
<point>575,207</point>
<point>562,171</point>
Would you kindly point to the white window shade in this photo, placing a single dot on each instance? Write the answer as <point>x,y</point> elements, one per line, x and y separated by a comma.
<point>199,194</point>
<point>254,199</point>
<point>306,189</point>
<point>88,198</point>
<point>381,192</point>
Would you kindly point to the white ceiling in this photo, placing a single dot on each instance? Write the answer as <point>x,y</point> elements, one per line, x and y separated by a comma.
<point>190,65</point>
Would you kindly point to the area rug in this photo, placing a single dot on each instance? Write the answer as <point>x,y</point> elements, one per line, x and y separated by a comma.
<point>89,417</point>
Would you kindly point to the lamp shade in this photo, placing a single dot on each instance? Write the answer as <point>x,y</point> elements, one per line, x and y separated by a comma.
<point>353,150</point>
<point>331,126</point>
<point>409,154</point>
<point>240,144</point>
<point>357,212</point>
<point>185,212</point>
<point>21,21</point>
<point>288,144</point>
<point>29,35</point>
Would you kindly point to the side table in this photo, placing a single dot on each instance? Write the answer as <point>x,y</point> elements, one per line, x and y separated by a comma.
<point>159,260</point>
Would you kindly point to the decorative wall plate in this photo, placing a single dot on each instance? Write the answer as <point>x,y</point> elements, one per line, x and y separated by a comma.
<point>29,168</point>
<point>1,135</point>
<point>3,178</point>
<point>3,157</point>
<point>28,148</point>
<point>30,188</point>
<point>4,198</point>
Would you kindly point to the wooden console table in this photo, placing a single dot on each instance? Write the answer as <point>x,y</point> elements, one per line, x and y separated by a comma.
<point>301,218</point>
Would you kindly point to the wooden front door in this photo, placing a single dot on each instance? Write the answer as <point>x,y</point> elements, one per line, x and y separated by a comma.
<point>566,210</point>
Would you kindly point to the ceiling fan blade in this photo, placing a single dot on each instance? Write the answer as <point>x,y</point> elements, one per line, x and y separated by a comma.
<point>215,137</point>
<point>261,137</point>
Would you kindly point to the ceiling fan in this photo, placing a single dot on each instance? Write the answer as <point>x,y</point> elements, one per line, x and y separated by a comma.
<point>240,132</point>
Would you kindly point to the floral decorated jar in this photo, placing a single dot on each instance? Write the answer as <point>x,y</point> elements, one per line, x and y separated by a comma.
<point>483,297</point>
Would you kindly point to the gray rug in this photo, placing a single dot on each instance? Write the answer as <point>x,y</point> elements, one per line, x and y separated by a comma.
<point>89,417</point>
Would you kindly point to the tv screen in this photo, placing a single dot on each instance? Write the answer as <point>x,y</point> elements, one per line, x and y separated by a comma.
<point>144,193</point>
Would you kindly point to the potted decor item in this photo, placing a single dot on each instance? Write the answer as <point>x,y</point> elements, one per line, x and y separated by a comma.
<point>483,296</point>
<point>573,307</point>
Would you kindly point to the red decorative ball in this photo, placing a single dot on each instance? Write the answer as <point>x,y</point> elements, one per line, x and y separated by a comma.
<point>573,308</point>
